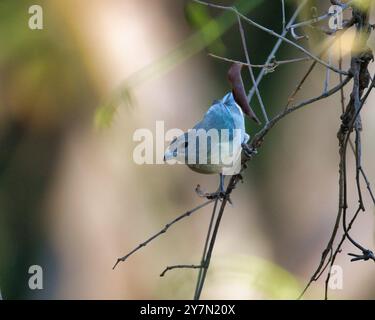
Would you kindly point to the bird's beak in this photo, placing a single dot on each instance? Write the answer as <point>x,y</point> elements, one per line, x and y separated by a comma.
<point>168,155</point>
<point>239,93</point>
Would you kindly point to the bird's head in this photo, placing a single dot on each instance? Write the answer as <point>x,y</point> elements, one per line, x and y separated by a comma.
<point>177,149</point>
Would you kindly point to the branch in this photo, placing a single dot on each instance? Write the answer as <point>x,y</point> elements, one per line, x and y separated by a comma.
<point>270,66</point>
<point>180,266</point>
<point>244,45</point>
<point>167,226</point>
<point>299,86</point>
<point>283,13</point>
<point>231,186</point>
<point>273,33</point>
<point>259,137</point>
<point>204,254</point>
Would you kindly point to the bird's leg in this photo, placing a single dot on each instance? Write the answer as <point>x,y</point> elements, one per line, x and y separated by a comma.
<point>220,193</point>
<point>221,184</point>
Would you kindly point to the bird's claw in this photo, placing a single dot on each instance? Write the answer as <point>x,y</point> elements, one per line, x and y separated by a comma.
<point>200,192</point>
<point>220,194</point>
<point>366,255</point>
<point>248,151</point>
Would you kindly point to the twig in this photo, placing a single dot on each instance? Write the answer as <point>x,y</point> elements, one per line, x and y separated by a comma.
<point>271,66</point>
<point>232,184</point>
<point>328,72</point>
<point>342,96</point>
<point>300,84</point>
<point>180,266</point>
<point>204,254</point>
<point>368,185</point>
<point>283,13</point>
<point>167,226</point>
<point>260,135</point>
<point>244,45</point>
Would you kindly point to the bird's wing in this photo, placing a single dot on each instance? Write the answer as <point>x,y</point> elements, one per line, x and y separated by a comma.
<point>218,117</point>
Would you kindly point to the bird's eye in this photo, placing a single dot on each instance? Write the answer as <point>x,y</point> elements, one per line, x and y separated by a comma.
<point>186,144</point>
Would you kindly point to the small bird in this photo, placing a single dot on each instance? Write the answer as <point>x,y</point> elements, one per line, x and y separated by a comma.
<point>215,143</point>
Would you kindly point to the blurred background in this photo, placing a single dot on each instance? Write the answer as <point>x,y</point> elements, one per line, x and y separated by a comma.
<point>72,199</point>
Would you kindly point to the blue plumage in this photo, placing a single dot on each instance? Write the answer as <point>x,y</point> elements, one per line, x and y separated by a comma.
<point>215,143</point>
<point>224,114</point>
<point>223,126</point>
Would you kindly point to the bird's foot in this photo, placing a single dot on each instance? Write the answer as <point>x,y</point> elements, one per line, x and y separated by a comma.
<point>248,151</point>
<point>219,194</point>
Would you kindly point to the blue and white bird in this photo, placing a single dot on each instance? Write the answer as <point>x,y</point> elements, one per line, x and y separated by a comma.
<point>214,144</point>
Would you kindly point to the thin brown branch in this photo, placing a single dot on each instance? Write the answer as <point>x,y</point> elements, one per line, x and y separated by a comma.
<point>258,139</point>
<point>204,254</point>
<point>164,230</point>
<point>270,66</point>
<point>180,266</point>
<point>231,186</point>
<point>300,84</point>
<point>244,45</point>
